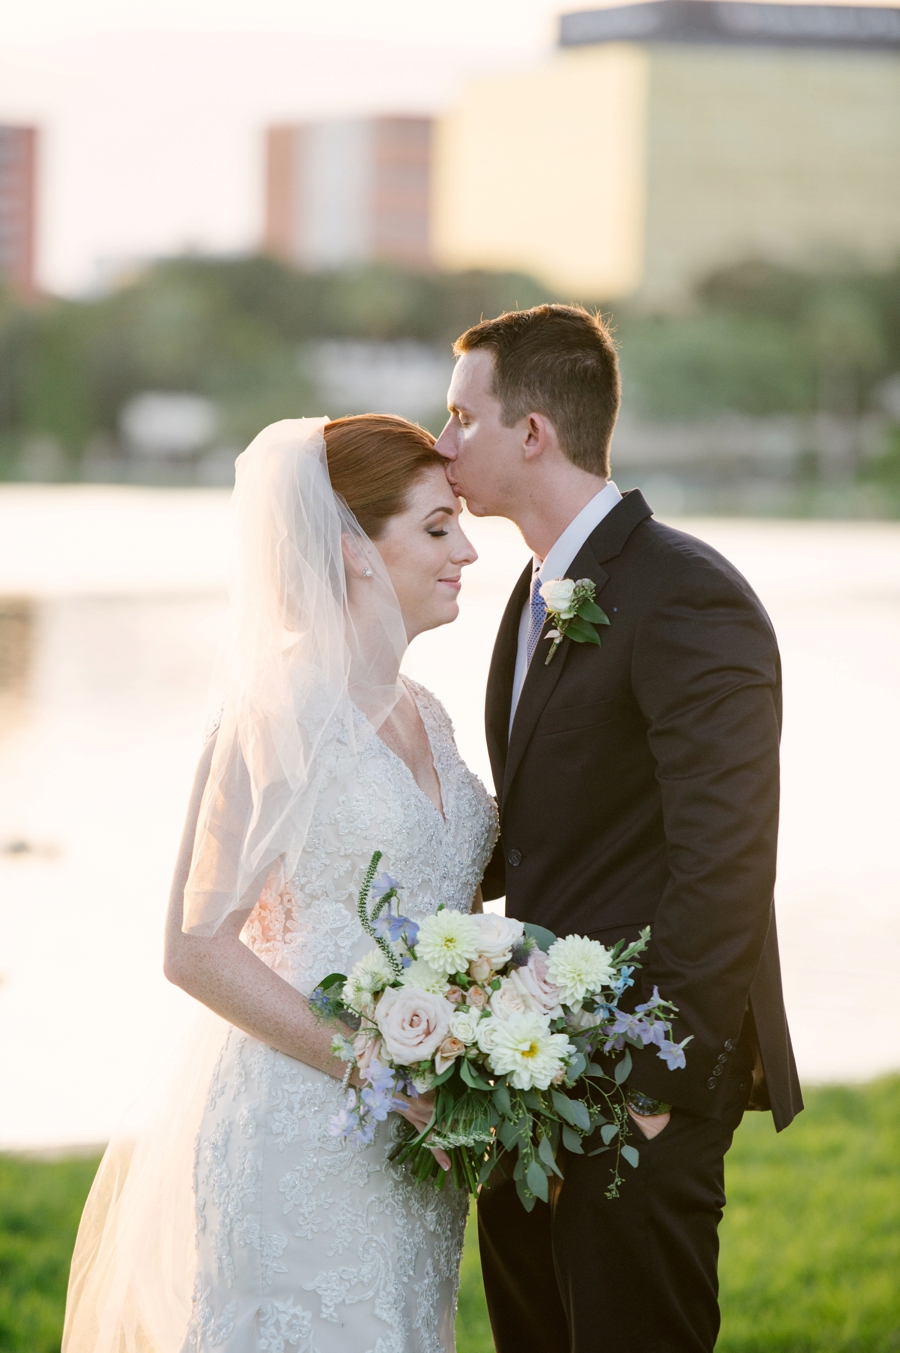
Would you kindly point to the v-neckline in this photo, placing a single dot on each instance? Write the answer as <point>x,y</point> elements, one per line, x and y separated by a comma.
<point>441,812</point>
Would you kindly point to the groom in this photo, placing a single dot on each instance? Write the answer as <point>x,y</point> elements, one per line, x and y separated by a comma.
<point>638,785</point>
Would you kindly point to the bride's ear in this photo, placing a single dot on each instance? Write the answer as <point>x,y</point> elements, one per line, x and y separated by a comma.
<point>355,561</point>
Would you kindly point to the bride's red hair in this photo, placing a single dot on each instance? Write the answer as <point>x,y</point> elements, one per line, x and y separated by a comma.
<point>373,461</point>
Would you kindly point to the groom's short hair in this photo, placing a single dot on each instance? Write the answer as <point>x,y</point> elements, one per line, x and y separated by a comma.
<point>558,360</point>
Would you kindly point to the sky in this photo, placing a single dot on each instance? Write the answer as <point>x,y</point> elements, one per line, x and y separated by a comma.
<point>152,114</point>
<point>152,111</point>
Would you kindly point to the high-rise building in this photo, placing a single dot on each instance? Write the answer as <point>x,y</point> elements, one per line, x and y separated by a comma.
<point>349,191</point>
<point>18,155</point>
<point>663,140</point>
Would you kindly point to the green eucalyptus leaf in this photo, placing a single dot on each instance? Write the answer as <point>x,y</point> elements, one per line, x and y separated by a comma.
<point>572,1141</point>
<point>623,1068</point>
<point>576,1066</point>
<point>599,1151</point>
<point>608,1132</point>
<point>471,1076</point>
<point>508,1134</point>
<point>545,1151</point>
<point>631,1155</point>
<point>501,1099</point>
<point>536,1180</point>
<point>525,1198</point>
<point>542,937</point>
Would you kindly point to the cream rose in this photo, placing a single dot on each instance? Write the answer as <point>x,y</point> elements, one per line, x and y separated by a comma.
<point>533,981</point>
<point>464,1025</point>
<point>413,1023</point>
<point>496,937</point>
<point>476,998</point>
<point>558,593</point>
<point>488,1029</point>
<point>509,1000</point>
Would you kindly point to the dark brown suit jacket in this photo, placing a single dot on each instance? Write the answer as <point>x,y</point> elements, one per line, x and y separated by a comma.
<point>640,787</point>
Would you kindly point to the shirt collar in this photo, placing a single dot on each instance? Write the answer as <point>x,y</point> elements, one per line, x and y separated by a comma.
<point>563,551</point>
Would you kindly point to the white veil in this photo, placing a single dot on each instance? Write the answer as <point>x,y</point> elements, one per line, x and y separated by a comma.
<point>295,664</point>
<point>298,667</point>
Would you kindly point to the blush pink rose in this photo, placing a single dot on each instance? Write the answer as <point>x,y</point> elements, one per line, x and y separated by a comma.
<point>534,985</point>
<point>413,1023</point>
<point>449,1050</point>
<point>366,1046</point>
<point>476,998</point>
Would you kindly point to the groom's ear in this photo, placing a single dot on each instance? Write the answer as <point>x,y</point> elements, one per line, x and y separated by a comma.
<point>540,435</point>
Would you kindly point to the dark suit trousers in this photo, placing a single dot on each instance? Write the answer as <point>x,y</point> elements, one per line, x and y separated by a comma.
<point>635,1274</point>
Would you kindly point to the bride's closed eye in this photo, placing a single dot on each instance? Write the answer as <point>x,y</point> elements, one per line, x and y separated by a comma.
<point>438,531</point>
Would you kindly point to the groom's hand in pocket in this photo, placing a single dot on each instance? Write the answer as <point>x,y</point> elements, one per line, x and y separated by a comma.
<point>650,1124</point>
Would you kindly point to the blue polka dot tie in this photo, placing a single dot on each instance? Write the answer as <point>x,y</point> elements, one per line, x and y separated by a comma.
<point>538,615</point>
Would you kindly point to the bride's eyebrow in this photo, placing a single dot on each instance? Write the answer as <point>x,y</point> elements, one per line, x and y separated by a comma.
<point>448,512</point>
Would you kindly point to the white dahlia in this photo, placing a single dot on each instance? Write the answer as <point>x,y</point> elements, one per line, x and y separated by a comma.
<point>524,1049</point>
<point>421,974</point>
<point>448,941</point>
<point>578,966</point>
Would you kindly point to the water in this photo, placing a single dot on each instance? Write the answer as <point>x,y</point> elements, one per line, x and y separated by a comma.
<point>110,604</point>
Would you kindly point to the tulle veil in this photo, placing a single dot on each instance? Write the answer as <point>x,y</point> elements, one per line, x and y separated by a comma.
<point>297,668</point>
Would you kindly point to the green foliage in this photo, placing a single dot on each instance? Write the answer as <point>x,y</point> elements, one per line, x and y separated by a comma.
<point>40,1207</point>
<point>233,330</point>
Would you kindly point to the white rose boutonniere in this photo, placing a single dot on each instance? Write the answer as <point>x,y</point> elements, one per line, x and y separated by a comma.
<point>573,611</point>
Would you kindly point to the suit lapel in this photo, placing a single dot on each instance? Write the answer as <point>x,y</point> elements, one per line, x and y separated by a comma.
<point>500,678</point>
<point>540,681</point>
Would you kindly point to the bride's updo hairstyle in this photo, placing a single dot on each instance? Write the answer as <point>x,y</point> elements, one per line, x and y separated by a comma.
<point>373,461</point>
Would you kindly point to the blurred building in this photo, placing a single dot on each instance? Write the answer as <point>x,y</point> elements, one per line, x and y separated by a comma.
<point>18,157</point>
<point>663,140</point>
<point>349,191</point>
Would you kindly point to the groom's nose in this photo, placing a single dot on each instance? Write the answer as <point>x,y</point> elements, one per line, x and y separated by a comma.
<point>446,443</point>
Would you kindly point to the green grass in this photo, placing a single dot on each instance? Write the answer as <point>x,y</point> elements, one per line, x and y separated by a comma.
<point>40,1205</point>
<point>810,1241</point>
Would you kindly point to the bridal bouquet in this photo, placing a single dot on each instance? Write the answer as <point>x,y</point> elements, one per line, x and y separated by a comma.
<point>502,1023</point>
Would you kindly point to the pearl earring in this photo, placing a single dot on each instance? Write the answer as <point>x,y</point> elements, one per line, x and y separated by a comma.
<point>367,572</point>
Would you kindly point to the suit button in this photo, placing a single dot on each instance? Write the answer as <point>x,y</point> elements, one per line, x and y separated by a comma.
<point>717,1070</point>
<point>722,1057</point>
<point>729,1045</point>
<point>515,857</point>
<point>711,1084</point>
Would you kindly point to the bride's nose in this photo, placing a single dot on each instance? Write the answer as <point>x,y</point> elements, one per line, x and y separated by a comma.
<point>464,552</point>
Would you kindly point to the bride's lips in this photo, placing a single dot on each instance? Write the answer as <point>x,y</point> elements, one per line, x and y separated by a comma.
<point>454,583</point>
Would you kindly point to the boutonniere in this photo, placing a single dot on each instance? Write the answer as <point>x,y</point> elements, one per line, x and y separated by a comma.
<point>575,614</point>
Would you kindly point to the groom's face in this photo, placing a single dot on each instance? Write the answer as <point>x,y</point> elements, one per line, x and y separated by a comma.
<point>482,455</point>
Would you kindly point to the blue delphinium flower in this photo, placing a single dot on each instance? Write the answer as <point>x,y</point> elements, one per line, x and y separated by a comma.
<point>673,1053</point>
<point>381,885</point>
<point>623,981</point>
<point>379,1096</point>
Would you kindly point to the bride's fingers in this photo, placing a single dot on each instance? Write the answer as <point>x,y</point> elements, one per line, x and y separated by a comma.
<point>441,1157</point>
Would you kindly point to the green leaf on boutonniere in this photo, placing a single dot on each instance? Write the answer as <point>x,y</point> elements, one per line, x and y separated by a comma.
<point>589,610</point>
<point>581,631</point>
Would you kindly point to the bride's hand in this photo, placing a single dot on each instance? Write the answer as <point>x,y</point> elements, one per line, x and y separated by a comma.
<point>418,1112</point>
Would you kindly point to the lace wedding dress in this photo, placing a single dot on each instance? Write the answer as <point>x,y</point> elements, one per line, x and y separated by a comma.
<point>305,1242</point>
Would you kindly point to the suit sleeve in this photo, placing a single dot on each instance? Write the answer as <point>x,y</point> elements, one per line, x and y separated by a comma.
<point>705,674</point>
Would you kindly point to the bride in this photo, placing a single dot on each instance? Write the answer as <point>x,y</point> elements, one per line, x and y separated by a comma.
<point>232,1218</point>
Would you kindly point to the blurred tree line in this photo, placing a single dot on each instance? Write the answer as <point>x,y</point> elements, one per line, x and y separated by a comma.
<point>758,340</point>
<point>232,330</point>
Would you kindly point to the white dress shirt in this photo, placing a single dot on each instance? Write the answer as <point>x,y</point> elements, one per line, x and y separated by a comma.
<point>559,557</point>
